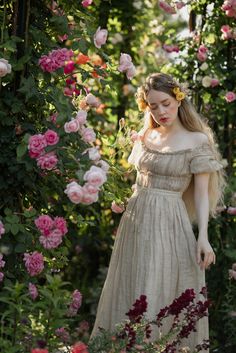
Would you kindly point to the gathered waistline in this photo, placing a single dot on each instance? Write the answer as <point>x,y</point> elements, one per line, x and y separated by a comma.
<point>158,191</point>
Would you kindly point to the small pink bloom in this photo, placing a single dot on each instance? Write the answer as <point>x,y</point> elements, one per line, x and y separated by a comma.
<point>53,118</point>
<point>117,208</point>
<point>214,82</point>
<point>90,188</point>
<point>95,176</point>
<point>202,49</point>
<point>179,5</point>
<point>5,67</point>
<point>81,116</point>
<point>52,240</point>
<point>69,67</point>
<point>230,97</point>
<point>60,223</point>
<point>36,145</point>
<point>34,263</point>
<point>100,37</point>
<point>86,3</point>
<point>47,161</point>
<point>72,126</point>
<point>88,135</point>
<point>33,291</point>
<point>1,276</point>
<point>232,274</point>
<point>2,263</point>
<point>44,222</point>
<point>201,56</point>
<point>75,192</point>
<point>231,211</point>
<point>88,199</point>
<point>166,7</point>
<point>130,73</point>
<point>103,165</point>
<point>76,303</point>
<point>94,154</point>
<point>2,229</point>
<point>92,101</point>
<point>51,137</point>
<point>125,62</point>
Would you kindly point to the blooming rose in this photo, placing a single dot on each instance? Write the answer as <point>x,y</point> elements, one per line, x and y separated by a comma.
<point>131,72</point>
<point>100,37</point>
<point>33,291</point>
<point>79,347</point>
<point>88,135</point>
<point>2,229</point>
<point>36,145</point>
<point>72,126</point>
<point>60,223</point>
<point>95,176</point>
<point>103,165</point>
<point>214,82</point>
<point>226,32</point>
<point>126,65</point>
<point>206,81</point>
<point>76,303</point>
<point>69,67</point>
<point>92,101</point>
<point>230,97</point>
<point>75,192</point>
<point>81,116</point>
<point>55,59</point>
<point>94,153</point>
<point>1,276</point>
<point>86,3</point>
<point>5,67</point>
<point>89,198</point>
<point>117,208</point>
<point>231,210</point>
<point>44,223</point>
<point>52,240</point>
<point>47,161</point>
<point>90,188</point>
<point>204,66</point>
<point>34,263</point>
<point>51,137</point>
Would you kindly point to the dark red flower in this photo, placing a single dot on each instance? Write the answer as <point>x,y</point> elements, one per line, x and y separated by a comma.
<point>181,302</point>
<point>139,308</point>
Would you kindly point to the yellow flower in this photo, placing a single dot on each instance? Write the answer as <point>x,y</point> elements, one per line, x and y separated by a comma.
<point>176,90</point>
<point>142,105</point>
<point>180,96</point>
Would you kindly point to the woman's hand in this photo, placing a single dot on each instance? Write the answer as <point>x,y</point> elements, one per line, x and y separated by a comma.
<point>204,247</point>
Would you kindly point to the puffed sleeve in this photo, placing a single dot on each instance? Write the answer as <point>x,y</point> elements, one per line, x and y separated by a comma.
<point>204,161</point>
<point>135,153</point>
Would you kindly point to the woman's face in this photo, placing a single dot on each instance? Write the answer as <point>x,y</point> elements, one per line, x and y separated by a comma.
<point>163,107</point>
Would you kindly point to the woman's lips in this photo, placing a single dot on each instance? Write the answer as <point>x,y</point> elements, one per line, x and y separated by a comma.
<point>164,119</point>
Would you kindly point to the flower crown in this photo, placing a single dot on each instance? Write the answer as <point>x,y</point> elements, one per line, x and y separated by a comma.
<point>179,95</point>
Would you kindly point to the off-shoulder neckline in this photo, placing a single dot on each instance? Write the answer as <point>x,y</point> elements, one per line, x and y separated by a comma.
<point>204,144</point>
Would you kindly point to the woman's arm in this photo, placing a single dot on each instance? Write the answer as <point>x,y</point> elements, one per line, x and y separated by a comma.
<point>201,201</point>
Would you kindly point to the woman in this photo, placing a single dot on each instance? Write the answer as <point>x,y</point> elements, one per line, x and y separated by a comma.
<point>180,180</point>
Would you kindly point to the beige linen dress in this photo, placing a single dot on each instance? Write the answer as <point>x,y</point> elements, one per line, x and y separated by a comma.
<point>155,248</point>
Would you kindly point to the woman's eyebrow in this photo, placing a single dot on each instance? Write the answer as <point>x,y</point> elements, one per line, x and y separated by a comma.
<point>164,100</point>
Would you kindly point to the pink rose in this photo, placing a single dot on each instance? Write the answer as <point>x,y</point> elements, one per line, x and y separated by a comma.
<point>81,116</point>
<point>179,5</point>
<point>94,154</point>
<point>72,126</point>
<point>1,276</point>
<point>44,223</point>
<point>36,145</point>
<point>231,211</point>
<point>33,291</point>
<point>86,3</point>
<point>90,188</point>
<point>75,304</point>
<point>75,192</point>
<point>117,208</point>
<point>100,37</point>
<point>60,223</point>
<point>51,137</point>
<point>230,96</point>
<point>88,199</point>
<point>69,67</point>
<point>34,263</point>
<point>2,229</point>
<point>95,176</point>
<point>92,101</point>
<point>232,274</point>
<point>125,62</point>
<point>52,240</point>
<point>202,49</point>
<point>47,161</point>
<point>166,7</point>
<point>5,67</point>
<point>103,165</point>
<point>88,135</point>
<point>201,56</point>
<point>214,82</point>
<point>2,263</point>
<point>130,73</point>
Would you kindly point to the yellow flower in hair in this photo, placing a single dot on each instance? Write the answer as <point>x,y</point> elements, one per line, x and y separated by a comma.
<point>142,105</point>
<point>180,96</point>
<point>176,90</point>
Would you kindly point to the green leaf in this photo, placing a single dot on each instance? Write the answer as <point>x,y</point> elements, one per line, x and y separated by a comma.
<point>20,248</point>
<point>28,88</point>
<point>14,228</point>
<point>21,150</point>
<point>83,45</point>
<point>7,211</point>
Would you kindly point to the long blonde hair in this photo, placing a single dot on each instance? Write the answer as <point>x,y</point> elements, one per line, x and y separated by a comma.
<point>192,121</point>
